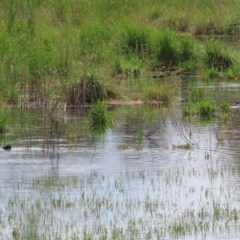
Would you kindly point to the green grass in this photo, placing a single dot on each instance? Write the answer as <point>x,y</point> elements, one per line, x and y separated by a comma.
<point>199,105</point>
<point>51,43</point>
<point>225,107</point>
<point>196,94</point>
<point>205,109</point>
<point>167,49</point>
<point>136,40</point>
<point>88,90</point>
<point>217,56</point>
<point>210,74</point>
<point>99,118</point>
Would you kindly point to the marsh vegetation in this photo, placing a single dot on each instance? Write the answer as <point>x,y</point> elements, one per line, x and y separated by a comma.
<point>123,121</point>
<point>156,173</point>
<point>61,51</point>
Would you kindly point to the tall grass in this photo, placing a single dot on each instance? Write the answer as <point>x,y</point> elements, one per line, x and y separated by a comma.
<point>217,56</point>
<point>50,42</point>
<point>171,49</point>
<point>89,89</point>
<point>94,42</point>
<point>12,10</point>
<point>167,49</point>
<point>31,18</point>
<point>41,62</point>
<point>136,40</point>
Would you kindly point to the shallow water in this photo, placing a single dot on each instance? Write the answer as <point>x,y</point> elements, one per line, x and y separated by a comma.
<point>133,182</point>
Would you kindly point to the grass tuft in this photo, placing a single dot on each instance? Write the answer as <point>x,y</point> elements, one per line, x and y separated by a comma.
<point>232,27</point>
<point>171,50</point>
<point>99,118</point>
<point>89,89</point>
<point>217,56</point>
<point>136,40</point>
<point>166,48</point>
<point>205,109</point>
<point>225,107</point>
<point>196,94</point>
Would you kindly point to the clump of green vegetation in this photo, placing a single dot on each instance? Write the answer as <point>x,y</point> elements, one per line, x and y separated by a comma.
<point>189,66</point>
<point>136,40</point>
<point>89,89</point>
<point>233,26</point>
<point>225,107</point>
<point>217,56</point>
<point>233,73</point>
<point>210,73</point>
<point>99,118</point>
<point>166,48</point>
<point>186,49</point>
<point>172,50</point>
<point>196,94</point>
<point>205,109</point>
<point>198,105</point>
<point>11,94</point>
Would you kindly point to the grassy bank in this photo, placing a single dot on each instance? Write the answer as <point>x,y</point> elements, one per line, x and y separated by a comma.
<point>50,48</point>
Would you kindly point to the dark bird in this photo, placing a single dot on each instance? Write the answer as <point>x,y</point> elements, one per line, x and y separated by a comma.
<point>7,147</point>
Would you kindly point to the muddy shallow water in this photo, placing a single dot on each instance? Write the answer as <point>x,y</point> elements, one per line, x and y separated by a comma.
<point>133,182</point>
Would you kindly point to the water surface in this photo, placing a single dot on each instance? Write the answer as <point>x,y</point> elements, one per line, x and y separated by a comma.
<point>59,181</point>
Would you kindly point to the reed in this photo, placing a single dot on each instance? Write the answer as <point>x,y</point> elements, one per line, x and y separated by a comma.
<point>88,90</point>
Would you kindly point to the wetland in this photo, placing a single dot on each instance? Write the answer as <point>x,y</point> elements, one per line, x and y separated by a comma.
<point>154,174</point>
<point>122,117</point>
